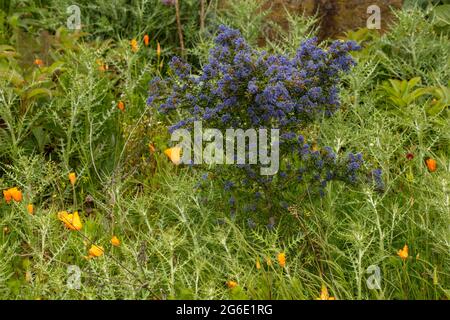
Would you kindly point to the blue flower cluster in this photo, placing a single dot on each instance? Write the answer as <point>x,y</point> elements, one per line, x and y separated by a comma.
<point>314,167</point>
<point>243,87</point>
<point>240,87</point>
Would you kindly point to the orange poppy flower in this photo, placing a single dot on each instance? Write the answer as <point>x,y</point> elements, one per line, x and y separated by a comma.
<point>324,294</point>
<point>121,106</point>
<point>16,194</point>
<point>30,208</point>
<point>151,146</point>
<point>115,241</point>
<point>174,154</point>
<point>258,264</point>
<point>95,251</point>
<point>431,164</point>
<point>403,253</point>
<point>38,62</point>
<point>101,66</point>
<point>134,45</point>
<point>231,284</point>
<point>7,195</point>
<point>146,40</point>
<point>72,178</point>
<point>158,50</point>
<point>282,259</point>
<point>71,221</point>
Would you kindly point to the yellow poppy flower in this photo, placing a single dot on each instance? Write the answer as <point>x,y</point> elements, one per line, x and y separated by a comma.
<point>158,50</point>
<point>282,259</point>
<point>101,66</point>
<point>431,164</point>
<point>324,294</point>
<point>16,194</point>
<point>403,253</point>
<point>71,221</point>
<point>121,106</point>
<point>7,195</point>
<point>134,45</point>
<point>72,178</point>
<point>231,284</point>
<point>38,62</point>
<point>115,241</point>
<point>95,251</point>
<point>174,154</point>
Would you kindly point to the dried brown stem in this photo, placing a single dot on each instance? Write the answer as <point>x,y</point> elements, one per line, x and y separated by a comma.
<point>202,15</point>
<point>180,31</point>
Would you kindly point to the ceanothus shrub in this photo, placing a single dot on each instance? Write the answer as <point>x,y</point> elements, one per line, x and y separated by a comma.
<point>241,87</point>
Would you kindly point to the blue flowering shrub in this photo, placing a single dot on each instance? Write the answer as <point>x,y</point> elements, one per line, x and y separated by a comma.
<point>242,87</point>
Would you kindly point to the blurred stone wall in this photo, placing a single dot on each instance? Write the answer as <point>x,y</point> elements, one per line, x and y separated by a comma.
<point>336,16</point>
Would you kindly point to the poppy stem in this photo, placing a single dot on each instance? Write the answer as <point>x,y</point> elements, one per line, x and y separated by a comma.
<point>74,198</point>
